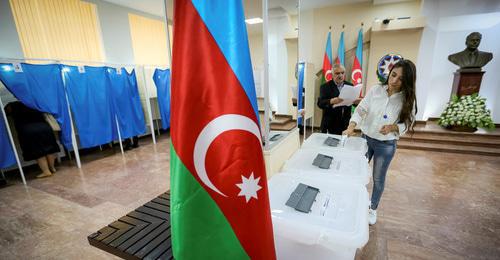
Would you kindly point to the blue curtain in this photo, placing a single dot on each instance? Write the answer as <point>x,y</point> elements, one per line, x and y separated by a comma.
<point>300,89</point>
<point>127,102</point>
<point>7,157</point>
<point>162,82</point>
<point>40,87</point>
<point>89,94</point>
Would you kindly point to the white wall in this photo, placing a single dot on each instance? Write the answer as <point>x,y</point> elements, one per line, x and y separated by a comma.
<point>256,50</point>
<point>115,28</point>
<point>9,43</point>
<point>9,40</point>
<point>449,22</point>
<point>279,28</point>
<point>352,15</point>
<point>403,42</point>
<point>314,27</point>
<point>306,33</point>
<point>426,54</point>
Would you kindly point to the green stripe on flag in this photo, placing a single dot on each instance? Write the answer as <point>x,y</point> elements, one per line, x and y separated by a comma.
<point>199,228</point>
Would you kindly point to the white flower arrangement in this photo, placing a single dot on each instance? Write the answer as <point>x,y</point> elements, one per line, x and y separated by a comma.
<point>468,111</point>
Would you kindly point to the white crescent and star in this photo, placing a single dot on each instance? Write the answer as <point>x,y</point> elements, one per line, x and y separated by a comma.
<point>328,72</point>
<point>210,132</point>
<point>249,187</point>
<point>353,76</point>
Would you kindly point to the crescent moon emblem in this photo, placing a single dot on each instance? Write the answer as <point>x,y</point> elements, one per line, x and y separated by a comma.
<point>354,72</point>
<point>211,131</point>
<point>329,74</point>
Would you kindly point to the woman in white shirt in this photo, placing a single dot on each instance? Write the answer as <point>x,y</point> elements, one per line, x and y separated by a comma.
<point>386,113</point>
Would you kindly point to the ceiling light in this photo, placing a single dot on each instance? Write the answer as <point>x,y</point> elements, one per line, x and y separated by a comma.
<point>254,20</point>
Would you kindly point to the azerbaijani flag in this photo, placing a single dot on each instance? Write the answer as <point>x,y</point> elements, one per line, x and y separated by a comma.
<point>357,73</point>
<point>340,50</point>
<point>219,198</point>
<point>327,61</point>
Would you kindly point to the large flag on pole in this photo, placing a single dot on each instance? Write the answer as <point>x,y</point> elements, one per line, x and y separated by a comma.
<point>357,73</point>
<point>340,51</point>
<point>327,60</point>
<point>219,198</point>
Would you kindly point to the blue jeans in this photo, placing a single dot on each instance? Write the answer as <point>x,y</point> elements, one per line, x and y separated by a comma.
<point>382,153</point>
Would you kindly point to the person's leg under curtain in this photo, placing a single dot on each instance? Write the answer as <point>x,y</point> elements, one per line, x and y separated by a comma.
<point>135,141</point>
<point>51,158</point>
<point>382,157</point>
<point>44,166</point>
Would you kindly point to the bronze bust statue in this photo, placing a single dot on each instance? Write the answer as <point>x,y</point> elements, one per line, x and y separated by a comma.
<point>471,59</point>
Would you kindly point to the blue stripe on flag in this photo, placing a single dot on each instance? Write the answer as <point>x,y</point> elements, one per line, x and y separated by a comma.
<point>359,48</point>
<point>341,49</point>
<point>329,47</point>
<point>226,22</point>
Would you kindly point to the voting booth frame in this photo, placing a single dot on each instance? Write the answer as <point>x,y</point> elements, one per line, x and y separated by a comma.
<point>73,134</point>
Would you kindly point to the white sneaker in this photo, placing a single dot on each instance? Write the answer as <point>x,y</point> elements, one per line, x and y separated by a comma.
<point>372,216</point>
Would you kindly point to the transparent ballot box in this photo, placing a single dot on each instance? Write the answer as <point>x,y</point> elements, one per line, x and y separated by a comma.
<point>335,226</point>
<point>344,165</point>
<point>327,141</point>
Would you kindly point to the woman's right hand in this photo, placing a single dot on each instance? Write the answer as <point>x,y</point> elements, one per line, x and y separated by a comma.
<point>350,129</point>
<point>348,132</point>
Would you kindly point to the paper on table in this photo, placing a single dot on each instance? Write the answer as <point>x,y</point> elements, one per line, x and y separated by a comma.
<point>348,94</point>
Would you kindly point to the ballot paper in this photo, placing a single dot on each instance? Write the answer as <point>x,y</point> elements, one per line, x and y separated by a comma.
<point>348,94</point>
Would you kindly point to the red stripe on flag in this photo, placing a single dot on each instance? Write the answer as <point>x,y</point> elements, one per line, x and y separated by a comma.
<point>327,68</point>
<point>204,87</point>
<point>357,74</point>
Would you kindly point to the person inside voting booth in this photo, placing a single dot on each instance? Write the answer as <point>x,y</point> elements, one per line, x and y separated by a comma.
<point>36,136</point>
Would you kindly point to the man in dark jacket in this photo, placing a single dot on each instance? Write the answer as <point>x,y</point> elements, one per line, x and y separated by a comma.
<point>335,119</point>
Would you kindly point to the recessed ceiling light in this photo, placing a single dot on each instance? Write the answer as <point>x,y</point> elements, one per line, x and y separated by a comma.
<point>254,20</point>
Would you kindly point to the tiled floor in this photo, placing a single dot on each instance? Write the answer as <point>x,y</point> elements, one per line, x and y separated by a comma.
<point>438,206</point>
<point>435,205</point>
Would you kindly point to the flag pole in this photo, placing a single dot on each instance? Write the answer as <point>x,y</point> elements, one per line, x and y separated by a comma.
<point>299,95</point>
<point>74,142</point>
<point>167,30</point>
<point>148,105</point>
<point>169,49</point>
<point>331,45</point>
<point>363,86</point>
<point>266,73</point>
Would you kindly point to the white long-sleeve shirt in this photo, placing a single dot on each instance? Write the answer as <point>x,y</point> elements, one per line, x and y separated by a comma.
<point>378,109</point>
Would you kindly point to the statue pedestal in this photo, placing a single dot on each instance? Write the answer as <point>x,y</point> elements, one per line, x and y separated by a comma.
<point>466,83</point>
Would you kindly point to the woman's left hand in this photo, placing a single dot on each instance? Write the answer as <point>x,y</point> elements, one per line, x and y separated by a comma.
<point>387,129</point>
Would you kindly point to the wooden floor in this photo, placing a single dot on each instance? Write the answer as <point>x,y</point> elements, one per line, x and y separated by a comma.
<point>435,206</point>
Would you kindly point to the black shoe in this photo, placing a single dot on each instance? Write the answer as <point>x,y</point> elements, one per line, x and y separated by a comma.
<point>127,144</point>
<point>135,142</point>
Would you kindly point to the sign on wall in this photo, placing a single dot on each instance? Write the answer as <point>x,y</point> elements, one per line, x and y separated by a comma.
<point>385,64</point>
